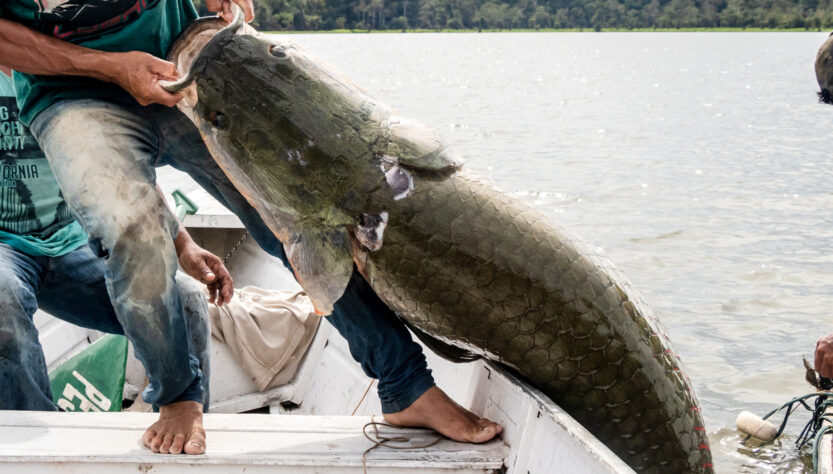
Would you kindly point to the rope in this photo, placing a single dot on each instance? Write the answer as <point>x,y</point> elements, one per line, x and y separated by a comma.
<point>382,441</point>
<point>819,434</point>
<point>236,246</point>
<point>367,390</point>
<point>815,428</point>
<point>792,405</point>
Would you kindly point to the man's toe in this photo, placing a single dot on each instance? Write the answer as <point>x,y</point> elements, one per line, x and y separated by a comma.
<point>195,443</point>
<point>485,422</point>
<point>147,438</point>
<point>165,448</point>
<point>156,443</point>
<point>486,432</point>
<point>178,443</point>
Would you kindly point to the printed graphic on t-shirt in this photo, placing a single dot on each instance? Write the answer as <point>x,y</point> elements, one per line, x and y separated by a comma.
<point>30,200</point>
<point>14,137</point>
<point>87,19</point>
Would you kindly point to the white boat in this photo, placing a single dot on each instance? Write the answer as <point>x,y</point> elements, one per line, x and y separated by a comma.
<point>825,448</point>
<point>308,426</point>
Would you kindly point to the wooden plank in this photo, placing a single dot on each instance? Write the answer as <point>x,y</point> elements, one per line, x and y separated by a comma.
<point>276,441</point>
<point>150,468</point>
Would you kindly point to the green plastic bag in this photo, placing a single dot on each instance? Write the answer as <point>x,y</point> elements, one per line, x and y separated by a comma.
<point>92,380</point>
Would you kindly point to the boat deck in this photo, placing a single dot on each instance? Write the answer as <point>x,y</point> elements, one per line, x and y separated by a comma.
<point>211,214</point>
<point>109,442</point>
<point>305,432</point>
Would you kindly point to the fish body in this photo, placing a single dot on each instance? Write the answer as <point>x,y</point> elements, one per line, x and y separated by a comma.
<point>345,183</point>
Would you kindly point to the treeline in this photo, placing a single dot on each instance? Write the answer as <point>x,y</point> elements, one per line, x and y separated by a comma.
<point>403,15</point>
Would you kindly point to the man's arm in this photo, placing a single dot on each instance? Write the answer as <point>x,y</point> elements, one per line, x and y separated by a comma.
<point>202,265</point>
<point>824,356</point>
<point>26,50</point>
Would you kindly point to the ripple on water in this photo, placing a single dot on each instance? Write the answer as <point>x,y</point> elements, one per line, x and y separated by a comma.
<point>752,456</point>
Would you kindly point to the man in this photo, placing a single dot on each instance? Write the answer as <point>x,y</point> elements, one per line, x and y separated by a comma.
<point>90,89</point>
<point>824,76</point>
<point>824,70</point>
<point>45,261</point>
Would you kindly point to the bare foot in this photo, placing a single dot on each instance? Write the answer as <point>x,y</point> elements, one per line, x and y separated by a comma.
<point>436,411</point>
<point>178,430</point>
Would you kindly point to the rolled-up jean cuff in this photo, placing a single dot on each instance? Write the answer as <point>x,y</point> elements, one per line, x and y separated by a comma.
<point>405,399</point>
<point>193,393</point>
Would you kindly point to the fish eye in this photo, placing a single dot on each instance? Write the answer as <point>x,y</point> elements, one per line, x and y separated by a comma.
<point>277,51</point>
<point>218,119</point>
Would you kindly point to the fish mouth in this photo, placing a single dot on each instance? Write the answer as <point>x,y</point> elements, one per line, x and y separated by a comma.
<point>190,43</point>
<point>188,46</point>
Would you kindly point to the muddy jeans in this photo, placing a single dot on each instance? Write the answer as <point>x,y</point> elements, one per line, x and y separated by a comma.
<point>103,156</point>
<point>72,288</point>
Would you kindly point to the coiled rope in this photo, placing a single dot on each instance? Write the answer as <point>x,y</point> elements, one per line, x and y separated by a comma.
<point>378,440</point>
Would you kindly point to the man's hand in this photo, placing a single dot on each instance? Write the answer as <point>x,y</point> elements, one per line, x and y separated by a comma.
<point>223,7</point>
<point>32,52</point>
<point>207,268</point>
<point>139,74</point>
<point>824,356</point>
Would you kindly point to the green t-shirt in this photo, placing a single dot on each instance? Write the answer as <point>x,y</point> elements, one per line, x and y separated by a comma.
<point>105,25</point>
<point>33,215</point>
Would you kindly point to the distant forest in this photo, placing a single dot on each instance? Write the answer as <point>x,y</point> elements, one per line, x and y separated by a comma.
<point>403,15</point>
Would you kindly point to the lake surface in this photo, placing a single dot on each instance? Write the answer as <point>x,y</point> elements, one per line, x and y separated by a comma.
<point>700,162</point>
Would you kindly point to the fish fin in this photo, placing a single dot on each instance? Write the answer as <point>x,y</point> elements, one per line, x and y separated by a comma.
<point>322,259</point>
<point>420,148</point>
<point>443,349</point>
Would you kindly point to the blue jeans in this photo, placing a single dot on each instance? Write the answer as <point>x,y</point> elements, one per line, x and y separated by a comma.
<point>72,288</point>
<point>103,156</point>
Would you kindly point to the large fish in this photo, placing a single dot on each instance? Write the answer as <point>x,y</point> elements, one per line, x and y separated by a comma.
<point>342,180</point>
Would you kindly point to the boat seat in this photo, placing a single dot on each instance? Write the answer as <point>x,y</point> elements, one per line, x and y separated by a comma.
<point>44,442</point>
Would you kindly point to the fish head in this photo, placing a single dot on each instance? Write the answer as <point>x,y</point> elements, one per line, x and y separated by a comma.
<point>303,144</point>
<point>294,137</point>
<point>266,108</point>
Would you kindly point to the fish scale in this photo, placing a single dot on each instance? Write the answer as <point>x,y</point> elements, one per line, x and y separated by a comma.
<point>468,267</point>
<point>622,384</point>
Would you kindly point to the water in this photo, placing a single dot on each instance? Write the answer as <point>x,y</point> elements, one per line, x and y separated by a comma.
<point>700,162</point>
